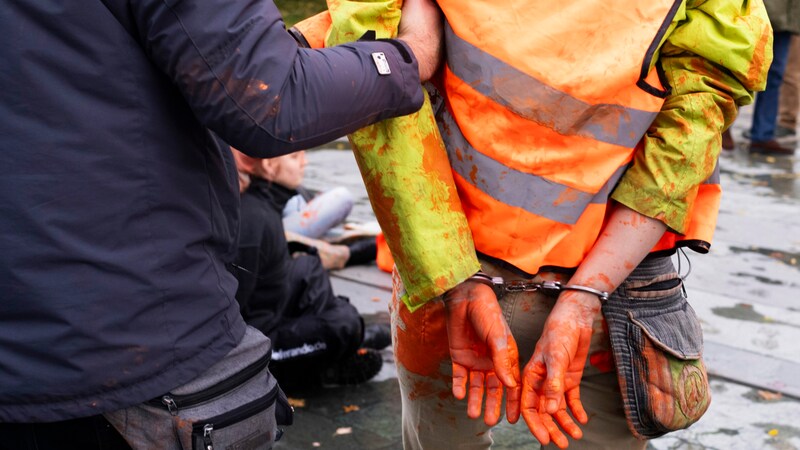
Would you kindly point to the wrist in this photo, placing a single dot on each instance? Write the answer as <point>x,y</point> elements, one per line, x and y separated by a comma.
<point>584,306</point>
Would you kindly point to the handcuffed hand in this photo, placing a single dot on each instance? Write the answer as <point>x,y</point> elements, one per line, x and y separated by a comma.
<point>483,352</point>
<point>421,28</point>
<point>551,379</point>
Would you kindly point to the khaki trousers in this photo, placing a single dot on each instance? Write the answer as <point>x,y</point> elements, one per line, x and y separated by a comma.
<point>790,89</point>
<point>433,419</point>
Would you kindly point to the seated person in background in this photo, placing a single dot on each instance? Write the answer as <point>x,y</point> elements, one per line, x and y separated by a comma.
<point>316,335</point>
<point>308,218</point>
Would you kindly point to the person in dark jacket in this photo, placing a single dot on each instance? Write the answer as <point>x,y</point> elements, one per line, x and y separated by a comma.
<point>118,209</point>
<point>316,335</point>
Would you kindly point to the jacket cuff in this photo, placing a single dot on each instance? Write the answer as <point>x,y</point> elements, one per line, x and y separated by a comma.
<point>404,70</point>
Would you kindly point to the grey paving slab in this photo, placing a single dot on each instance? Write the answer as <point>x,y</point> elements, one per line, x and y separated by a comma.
<point>366,275</point>
<point>368,299</point>
<point>753,369</point>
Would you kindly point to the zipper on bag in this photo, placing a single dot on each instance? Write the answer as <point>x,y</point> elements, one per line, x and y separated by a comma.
<point>173,402</point>
<point>206,427</point>
<point>208,444</point>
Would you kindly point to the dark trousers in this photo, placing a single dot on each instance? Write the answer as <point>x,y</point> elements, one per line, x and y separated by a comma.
<point>318,328</point>
<point>765,112</point>
<point>88,433</point>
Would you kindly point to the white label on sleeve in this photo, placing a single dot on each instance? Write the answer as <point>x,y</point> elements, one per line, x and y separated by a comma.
<point>381,63</point>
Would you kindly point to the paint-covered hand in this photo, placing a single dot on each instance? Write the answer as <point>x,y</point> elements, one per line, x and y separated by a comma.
<point>421,27</point>
<point>551,379</point>
<point>483,351</point>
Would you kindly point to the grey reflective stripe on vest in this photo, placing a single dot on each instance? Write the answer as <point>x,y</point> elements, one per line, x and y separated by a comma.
<point>540,103</point>
<point>534,194</point>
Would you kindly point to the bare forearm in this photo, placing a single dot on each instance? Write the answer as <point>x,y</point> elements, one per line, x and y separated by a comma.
<point>624,242</point>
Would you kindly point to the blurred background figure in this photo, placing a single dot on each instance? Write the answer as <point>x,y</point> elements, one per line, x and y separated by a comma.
<point>784,16</point>
<point>315,221</point>
<point>789,101</point>
<point>285,292</point>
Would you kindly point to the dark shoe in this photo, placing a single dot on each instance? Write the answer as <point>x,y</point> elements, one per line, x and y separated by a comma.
<point>377,336</point>
<point>362,251</point>
<point>361,366</point>
<point>727,140</point>
<point>770,147</point>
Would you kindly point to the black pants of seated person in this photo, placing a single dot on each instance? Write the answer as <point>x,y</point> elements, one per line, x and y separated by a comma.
<point>318,329</point>
<point>88,433</point>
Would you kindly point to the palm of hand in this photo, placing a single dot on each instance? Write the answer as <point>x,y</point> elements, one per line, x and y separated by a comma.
<point>467,348</point>
<point>483,352</point>
<point>551,380</point>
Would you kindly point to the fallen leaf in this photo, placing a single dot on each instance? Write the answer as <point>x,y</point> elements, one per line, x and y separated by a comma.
<point>770,396</point>
<point>350,408</point>
<point>773,432</point>
<point>376,299</point>
<point>343,430</point>
<point>297,402</point>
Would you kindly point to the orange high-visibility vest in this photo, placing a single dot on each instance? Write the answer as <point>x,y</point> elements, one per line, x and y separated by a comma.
<point>541,122</point>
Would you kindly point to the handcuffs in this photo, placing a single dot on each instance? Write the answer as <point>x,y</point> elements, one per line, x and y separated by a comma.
<point>501,286</point>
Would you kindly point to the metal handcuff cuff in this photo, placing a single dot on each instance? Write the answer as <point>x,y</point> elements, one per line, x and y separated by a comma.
<point>501,286</point>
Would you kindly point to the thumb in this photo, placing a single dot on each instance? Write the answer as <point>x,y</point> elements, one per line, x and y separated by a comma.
<point>505,358</point>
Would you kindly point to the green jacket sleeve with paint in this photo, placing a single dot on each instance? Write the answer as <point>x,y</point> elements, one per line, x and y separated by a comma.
<point>715,55</point>
<point>407,174</point>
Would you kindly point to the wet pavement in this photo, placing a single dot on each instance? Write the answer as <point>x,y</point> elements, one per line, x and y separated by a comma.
<point>746,292</point>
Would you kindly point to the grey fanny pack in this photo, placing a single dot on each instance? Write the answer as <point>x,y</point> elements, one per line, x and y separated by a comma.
<point>241,412</point>
<point>235,405</point>
<point>657,344</point>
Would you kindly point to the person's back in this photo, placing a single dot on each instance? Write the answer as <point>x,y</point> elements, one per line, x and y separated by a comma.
<point>583,140</point>
<point>117,211</point>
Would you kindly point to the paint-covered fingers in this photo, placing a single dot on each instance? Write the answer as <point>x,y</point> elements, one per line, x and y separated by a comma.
<point>545,427</point>
<point>530,401</point>
<point>576,406</point>
<point>556,436</point>
<point>494,399</point>
<point>481,383</point>
<point>460,377</point>
<point>475,397</point>
<point>565,422</point>
<point>530,413</point>
<point>513,403</point>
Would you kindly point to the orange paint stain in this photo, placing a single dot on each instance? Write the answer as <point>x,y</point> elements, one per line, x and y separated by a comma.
<point>602,361</point>
<point>423,345</point>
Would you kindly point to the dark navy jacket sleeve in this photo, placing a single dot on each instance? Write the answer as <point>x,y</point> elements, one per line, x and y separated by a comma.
<point>245,77</point>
